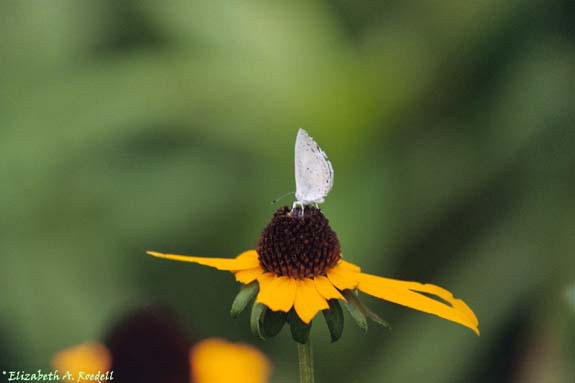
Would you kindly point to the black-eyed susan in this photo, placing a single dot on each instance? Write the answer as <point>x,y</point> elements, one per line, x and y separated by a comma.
<point>150,346</point>
<point>212,360</point>
<point>297,269</point>
<point>217,360</point>
<point>89,361</point>
<point>298,266</point>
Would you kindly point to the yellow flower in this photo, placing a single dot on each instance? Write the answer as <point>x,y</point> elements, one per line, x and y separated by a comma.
<point>211,361</point>
<point>87,358</point>
<point>299,268</point>
<point>219,361</point>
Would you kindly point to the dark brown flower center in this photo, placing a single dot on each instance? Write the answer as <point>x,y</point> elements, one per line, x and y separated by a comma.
<point>298,245</point>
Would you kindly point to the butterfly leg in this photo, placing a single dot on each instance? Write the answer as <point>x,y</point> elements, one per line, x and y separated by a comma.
<point>298,212</point>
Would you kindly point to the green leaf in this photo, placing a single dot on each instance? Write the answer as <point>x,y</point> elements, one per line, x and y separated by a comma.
<point>246,294</point>
<point>334,319</point>
<point>355,310</point>
<point>258,312</point>
<point>299,330</point>
<point>273,322</point>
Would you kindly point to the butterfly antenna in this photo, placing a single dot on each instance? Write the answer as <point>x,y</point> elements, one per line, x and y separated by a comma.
<point>280,197</point>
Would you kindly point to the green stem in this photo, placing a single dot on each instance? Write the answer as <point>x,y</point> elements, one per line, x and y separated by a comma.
<point>305,358</point>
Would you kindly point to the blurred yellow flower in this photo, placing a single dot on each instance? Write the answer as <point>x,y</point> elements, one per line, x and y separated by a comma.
<point>219,361</point>
<point>211,361</point>
<point>87,358</point>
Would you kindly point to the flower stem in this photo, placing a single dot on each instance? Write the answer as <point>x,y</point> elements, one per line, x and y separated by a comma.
<point>305,358</point>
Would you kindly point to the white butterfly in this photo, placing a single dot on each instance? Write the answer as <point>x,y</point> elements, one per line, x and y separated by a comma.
<point>313,171</point>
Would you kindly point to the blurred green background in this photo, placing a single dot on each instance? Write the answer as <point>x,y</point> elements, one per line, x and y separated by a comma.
<point>135,125</point>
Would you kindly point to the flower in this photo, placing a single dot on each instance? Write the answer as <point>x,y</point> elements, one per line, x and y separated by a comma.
<point>150,346</point>
<point>216,360</point>
<point>212,360</point>
<point>88,358</point>
<point>298,268</point>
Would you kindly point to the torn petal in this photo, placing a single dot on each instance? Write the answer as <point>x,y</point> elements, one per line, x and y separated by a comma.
<point>444,294</point>
<point>399,292</point>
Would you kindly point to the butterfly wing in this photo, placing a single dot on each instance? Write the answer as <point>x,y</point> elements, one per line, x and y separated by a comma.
<point>313,171</point>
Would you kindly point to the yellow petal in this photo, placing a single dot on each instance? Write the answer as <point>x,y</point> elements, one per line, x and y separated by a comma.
<point>343,276</point>
<point>219,361</point>
<point>308,301</point>
<point>88,357</point>
<point>326,289</point>
<point>246,260</point>
<point>277,293</point>
<point>249,255</point>
<point>399,292</point>
<point>443,294</point>
<point>349,266</point>
<point>248,275</point>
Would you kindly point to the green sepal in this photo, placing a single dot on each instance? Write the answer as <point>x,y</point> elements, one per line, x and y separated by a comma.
<point>353,300</point>
<point>299,330</point>
<point>266,323</point>
<point>273,322</point>
<point>256,319</point>
<point>355,309</point>
<point>246,294</point>
<point>373,316</point>
<point>334,319</point>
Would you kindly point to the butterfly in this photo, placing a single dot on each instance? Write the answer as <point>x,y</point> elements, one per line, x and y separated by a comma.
<point>313,171</point>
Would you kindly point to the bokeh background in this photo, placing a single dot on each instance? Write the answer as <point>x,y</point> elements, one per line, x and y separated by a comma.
<point>135,125</point>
